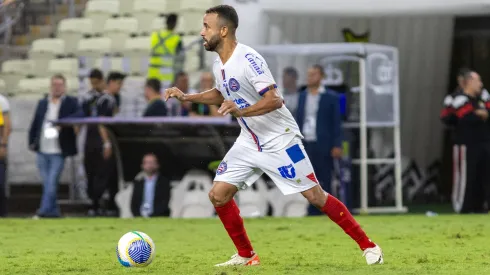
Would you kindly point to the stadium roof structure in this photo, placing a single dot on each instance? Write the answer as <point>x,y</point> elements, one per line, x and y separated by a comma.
<point>370,8</point>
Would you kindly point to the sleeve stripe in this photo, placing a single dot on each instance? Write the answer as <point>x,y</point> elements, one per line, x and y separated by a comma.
<point>467,108</point>
<point>266,89</point>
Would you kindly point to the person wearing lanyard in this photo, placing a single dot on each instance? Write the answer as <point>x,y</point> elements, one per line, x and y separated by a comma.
<point>156,106</point>
<point>318,116</point>
<point>53,143</point>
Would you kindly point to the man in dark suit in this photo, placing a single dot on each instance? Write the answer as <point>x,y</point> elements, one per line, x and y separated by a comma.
<point>156,106</point>
<point>53,143</point>
<point>318,116</point>
<point>151,192</point>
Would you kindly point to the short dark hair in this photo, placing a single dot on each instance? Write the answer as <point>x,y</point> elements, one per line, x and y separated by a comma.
<point>96,73</point>
<point>227,13</point>
<point>462,72</point>
<point>319,68</point>
<point>154,84</point>
<point>59,76</point>
<point>114,76</point>
<point>172,21</point>
<point>291,71</point>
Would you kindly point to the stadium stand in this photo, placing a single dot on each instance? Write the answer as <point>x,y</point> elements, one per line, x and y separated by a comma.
<point>108,34</point>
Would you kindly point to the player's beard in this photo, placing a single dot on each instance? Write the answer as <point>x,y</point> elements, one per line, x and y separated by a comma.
<point>212,43</point>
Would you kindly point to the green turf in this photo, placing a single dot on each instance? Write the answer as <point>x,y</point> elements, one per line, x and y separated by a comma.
<point>412,245</point>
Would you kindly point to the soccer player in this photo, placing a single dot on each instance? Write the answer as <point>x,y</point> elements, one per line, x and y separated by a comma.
<point>269,142</point>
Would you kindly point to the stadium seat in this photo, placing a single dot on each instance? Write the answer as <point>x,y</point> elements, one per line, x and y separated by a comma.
<point>119,29</point>
<point>72,85</point>
<point>33,86</point>
<point>192,62</point>
<point>101,10</point>
<point>138,50</point>
<point>123,201</point>
<point>68,67</point>
<point>14,70</point>
<point>3,87</point>
<point>193,20</point>
<point>71,30</point>
<point>294,205</point>
<point>146,11</point>
<point>107,64</point>
<point>91,48</point>
<point>126,7</point>
<point>198,5</point>
<point>253,202</point>
<point>188,40</point>
<point>42,51</point>
<point>186,203</point>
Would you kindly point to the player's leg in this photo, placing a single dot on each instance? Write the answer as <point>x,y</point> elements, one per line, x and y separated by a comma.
<point>233,173</point>
<point>339,214</point>
<point>292,172</point>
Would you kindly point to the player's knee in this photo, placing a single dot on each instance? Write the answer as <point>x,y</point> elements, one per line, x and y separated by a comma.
<point>218,199</point>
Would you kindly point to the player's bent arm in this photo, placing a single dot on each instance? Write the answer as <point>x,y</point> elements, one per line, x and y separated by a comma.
<point>209,97</point>
<point>270,101</point>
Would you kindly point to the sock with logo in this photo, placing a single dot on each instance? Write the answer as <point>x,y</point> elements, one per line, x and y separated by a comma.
<point>339,214</point>
<point>229,215</point>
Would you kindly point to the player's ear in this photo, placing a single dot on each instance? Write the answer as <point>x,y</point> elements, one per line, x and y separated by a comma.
<point>224,31</point>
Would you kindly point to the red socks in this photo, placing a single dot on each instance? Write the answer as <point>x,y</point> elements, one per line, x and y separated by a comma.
<point>339,214</point>
<point>229,215</point>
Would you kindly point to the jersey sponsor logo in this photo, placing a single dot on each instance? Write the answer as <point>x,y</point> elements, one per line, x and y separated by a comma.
<point>222,168</point>
<point>234,85</point>
<point>287,172</point>
<point>254,62</point>
<point>241,103</point>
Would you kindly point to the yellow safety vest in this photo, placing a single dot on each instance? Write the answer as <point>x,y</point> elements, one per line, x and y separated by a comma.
<point>163,51</point>
<point>2,122</point>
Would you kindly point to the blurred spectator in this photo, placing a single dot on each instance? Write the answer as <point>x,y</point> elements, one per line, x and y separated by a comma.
<point>156,106</point>
<point>165,46</point>
<point>318,116</point>
<point>206,83</point>
<point>52,143</point>
<point>5,128</point>
<point>100,164</point>
<point>471,151</point>
<point>447,115</point>
<point>176,107</point>
<point>151,192</point>
<point>290,88</point>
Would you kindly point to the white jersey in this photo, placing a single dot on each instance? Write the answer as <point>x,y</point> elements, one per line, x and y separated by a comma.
<point>245,78</point>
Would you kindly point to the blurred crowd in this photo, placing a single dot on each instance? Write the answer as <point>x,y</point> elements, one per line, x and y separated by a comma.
<point>315,107</point>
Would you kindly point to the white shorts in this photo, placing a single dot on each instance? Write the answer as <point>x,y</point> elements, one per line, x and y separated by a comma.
<point>289,168</point>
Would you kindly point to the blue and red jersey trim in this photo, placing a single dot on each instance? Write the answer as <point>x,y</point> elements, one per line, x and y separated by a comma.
<point>254,136</point>
<point>266,89</point>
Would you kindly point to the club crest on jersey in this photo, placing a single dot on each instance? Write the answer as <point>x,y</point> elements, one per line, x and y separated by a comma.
<point>234,85</point>
<point>221,168</point>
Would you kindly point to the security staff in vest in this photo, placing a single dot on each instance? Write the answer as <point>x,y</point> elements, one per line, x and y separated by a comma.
<point>165,46</point>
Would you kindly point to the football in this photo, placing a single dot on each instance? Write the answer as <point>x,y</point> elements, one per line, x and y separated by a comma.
<point>135,249</point>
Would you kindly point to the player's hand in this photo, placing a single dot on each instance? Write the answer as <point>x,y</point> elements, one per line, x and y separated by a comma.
<point>482,113</point>
<point>173,92</point>
<point>229,107</point>
<point>336,152</point>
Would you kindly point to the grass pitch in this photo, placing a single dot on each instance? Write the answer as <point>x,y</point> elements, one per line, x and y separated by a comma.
<point>446,244</point>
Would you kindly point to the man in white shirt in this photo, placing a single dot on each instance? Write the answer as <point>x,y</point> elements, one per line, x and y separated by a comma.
<point>270,140</point>
<point>53,143</point>
<point>5,129</point>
